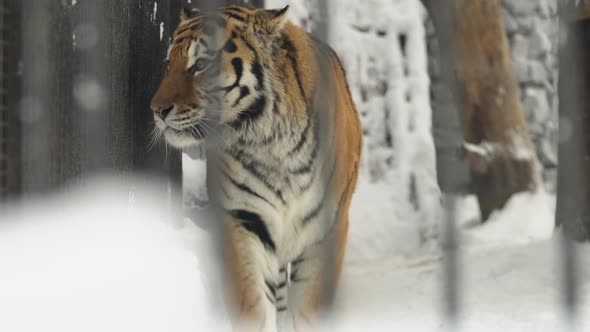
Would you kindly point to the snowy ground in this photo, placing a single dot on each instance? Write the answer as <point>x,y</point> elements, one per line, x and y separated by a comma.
<point>110,262</point>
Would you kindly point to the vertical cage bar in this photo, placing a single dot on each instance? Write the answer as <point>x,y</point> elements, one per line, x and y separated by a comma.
<point>3,100</point>
<point>443,18</point>
<point>572,188</point>
<point>10,124</point>
<point>211,151</point>
<point>325,136</point>
<point>42,129</point>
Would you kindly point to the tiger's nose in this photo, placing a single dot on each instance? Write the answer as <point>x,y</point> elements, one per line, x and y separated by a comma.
<point>162,112</point>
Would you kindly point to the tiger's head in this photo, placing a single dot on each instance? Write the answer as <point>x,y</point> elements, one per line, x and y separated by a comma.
<point>216,72</point>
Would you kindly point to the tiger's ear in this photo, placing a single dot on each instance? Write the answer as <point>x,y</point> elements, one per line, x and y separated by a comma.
<point>272,20</point>
<point>188,13</point>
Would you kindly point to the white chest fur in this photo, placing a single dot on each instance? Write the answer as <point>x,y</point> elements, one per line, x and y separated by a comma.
<point>291,205</point>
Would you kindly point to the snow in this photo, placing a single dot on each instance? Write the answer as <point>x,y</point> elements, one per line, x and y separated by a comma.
<point>526,217</point>
<point>106,257</point>
<point>485,150</point>
<point>506,288</point>
<point>99,259</point>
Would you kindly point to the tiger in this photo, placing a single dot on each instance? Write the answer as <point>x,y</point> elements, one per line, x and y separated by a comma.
<point>284,139</point>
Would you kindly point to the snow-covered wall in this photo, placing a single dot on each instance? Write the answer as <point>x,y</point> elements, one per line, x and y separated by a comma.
<point>532,29</point>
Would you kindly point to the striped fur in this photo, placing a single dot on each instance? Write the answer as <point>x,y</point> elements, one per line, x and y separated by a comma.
<point>289,156</point>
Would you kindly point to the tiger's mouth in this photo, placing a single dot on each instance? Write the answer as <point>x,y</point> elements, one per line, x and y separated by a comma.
<point>196,133</point>
<point>182,137</point>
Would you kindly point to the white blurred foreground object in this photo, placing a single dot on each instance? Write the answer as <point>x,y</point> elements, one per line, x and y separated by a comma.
<point>107,258</point>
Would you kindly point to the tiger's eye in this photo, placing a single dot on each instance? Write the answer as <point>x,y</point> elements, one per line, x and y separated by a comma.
<point>200,64</point>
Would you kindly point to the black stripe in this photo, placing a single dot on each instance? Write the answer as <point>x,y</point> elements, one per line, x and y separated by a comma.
<point>254,224</point>
<point>314,212</point>
<point>189,27</point>
<point>275,104</point>
<point>298,261</point>
<point>292,55</point>
<point>235,9</point>
<point>254,167</point>
<point>270,298</point>
<point>248,45</point>
<point>303,137</point>
<point>281,309</point>
<point>197,26</point>
<point>339,64</point>
<point>258,73</point>
<point>256,67</point>
<point>271,288</point>
<point>235,16</point>
<point>244,92</point>
<point>230,46</point>
<point>306,168</point>
<point>293,276</point>
<point>238,65</point>
<point>308,185</point>
<point>245,188</point>
<point>347,189</point>
<point>340,203</point>
<point>253,112</point>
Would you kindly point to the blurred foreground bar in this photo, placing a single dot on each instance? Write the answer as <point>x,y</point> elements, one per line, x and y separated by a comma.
<point>573,191</point>
<point>9,88</point>
<point>80,79</point>
<point>573,197</point>
<point>443,19</point>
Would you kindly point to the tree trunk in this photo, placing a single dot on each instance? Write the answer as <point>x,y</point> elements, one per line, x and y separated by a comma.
<point>498,149</point>
<point>573,192</point>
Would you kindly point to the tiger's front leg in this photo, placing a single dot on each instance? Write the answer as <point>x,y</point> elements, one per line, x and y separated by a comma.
<point>252,271</point>
<point>314,277</point>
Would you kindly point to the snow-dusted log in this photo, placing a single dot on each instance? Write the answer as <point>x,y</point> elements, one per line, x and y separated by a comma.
<point>479,157</point>
<point>487,97</point>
